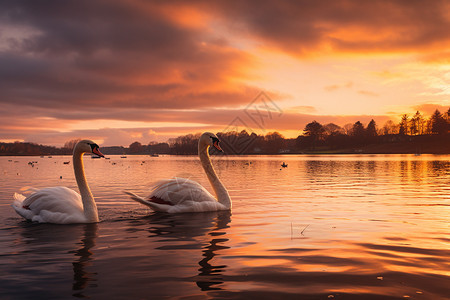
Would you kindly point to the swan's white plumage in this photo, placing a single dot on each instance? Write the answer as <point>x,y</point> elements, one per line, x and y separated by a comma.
<point>178,190</point>
<point>184,195</point>
<point>180,195</point>
<point>61,205</point>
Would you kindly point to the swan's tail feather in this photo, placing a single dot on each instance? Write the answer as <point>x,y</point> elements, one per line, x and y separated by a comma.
<point>136,198</point>
<point>18,199</point>
<point>19,208</point>
<point>154,206</point>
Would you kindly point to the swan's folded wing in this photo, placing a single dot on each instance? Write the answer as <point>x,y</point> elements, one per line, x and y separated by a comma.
<point>179,190</point>
<point>56,199</point>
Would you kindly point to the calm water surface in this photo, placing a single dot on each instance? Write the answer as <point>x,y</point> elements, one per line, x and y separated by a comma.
<point>325,227</point>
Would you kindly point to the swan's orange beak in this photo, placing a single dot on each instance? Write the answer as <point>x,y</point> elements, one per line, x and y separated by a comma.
<point>97,152</point>
<point>216,145</point>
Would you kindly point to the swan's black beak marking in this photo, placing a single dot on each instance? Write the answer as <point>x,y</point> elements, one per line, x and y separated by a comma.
<point>216,143</point>
<point>95,150</point>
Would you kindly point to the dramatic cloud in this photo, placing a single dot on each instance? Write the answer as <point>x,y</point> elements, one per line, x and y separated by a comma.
<point>114,53</point>
<point>123,70</point>
<point>307,27</point>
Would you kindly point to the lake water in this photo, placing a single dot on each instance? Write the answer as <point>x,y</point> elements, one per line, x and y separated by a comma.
<point>325,227</point>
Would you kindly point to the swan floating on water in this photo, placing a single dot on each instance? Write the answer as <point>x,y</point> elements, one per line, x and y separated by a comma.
<point>179,195</point>
<point>61,205</point>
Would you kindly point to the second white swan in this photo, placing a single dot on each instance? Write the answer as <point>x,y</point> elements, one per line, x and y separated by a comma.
<point>179,195</point>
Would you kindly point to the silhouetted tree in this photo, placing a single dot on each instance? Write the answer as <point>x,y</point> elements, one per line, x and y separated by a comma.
<point>358,129</point>
<point>438,123</point>
<point>371,131</point>
<point>19,148</point>
<point>135,148</point>
<point>274,142</point>
<point>416,124</point>
<point>315,131</point>
<point>348,128</point>
<point>332,129</point>
<point>158,148</point>
<point>403,126</point>
<point>390,128</point>
<point>186,144</point>
<point>358,133</point>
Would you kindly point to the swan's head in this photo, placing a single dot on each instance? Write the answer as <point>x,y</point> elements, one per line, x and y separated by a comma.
<point>87,146</point>
<point>210,139</point>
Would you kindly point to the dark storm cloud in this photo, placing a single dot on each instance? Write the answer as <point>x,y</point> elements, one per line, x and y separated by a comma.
<point>114,53</point>
<point>84,27</point>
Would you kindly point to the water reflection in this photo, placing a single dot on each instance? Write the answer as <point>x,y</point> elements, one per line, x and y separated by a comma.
<point>204,231</point>
<point>81,277</point>
<point>209,275</point>
<point>55,246</point>
<point>377,229</point>
<point>439,168</point>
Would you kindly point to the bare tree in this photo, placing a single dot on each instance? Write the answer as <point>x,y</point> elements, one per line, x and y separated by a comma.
<point>69,145</point>
<point>332,129</point>
<point>348,128</point>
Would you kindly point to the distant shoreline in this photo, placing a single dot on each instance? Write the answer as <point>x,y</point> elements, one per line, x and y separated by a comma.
<point>254,154</point>
<point>439,144</point>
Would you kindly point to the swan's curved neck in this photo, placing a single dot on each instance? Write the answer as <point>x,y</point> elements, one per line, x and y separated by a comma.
<point>89,206</point>
<point>221,192</point>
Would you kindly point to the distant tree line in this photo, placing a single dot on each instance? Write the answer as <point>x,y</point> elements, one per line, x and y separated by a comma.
<point>417,129</point>
<point>412,134</point>
<point>18,148</point>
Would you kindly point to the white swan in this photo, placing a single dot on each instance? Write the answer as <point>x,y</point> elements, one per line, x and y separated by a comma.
<point>179,195</point>
<point>61,205</point>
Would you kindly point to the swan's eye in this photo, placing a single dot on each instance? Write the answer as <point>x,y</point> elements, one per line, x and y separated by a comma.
<point>93,146</point>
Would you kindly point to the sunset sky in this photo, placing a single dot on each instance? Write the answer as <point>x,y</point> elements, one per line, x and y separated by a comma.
<point>120,71</point>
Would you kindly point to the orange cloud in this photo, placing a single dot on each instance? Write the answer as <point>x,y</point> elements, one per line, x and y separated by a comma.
<point>429,108</point>
<point>195,63</point>
<point>335,87</point>
<point>308,28</point>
